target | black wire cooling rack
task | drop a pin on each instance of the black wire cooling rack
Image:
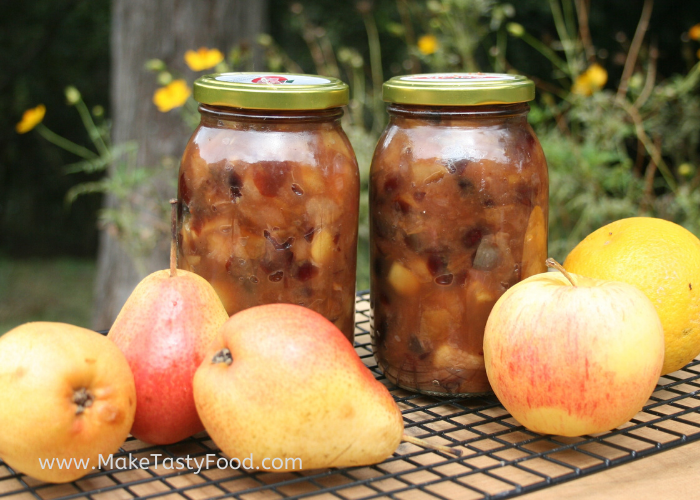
(501, 458)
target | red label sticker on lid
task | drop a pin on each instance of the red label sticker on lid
(262, 79)
(271, 79)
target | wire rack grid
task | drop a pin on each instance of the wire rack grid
(501, 459)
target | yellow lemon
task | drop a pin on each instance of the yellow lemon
(660, 258)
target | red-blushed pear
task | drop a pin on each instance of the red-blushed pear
(282, 382)
(164, 329)
(570, 355)
(67, 394)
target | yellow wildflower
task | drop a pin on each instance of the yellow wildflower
(590, 81)
(203, 58)
(172, 95)
(694, 32)
(428, 44)
(30, 119)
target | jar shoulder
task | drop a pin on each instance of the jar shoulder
(508, 145)
(315, 146)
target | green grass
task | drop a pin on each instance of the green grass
(61, 289)
(362, 266)
(45, 290)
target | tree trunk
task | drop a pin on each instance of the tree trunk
(144, 30)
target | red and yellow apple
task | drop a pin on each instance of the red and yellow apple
(573, 357)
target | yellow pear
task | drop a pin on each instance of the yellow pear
(67, 397)
(282, 389)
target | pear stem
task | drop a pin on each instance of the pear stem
(173, 238)
(424, 444)
(553, 263)
(222, 356)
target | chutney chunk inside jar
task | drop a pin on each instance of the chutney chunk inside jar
(458, 214)
(269, 195)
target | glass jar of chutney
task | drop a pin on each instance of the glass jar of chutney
(458, 214)
(268, 194)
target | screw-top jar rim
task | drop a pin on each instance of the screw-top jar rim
(458, 89)
(257, 90)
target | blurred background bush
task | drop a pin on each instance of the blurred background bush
(617, 112)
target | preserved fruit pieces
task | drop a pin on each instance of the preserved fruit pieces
(472, 238)
(457, 215)
(445, 279)
(276, 276)
(305, 271)
(434, 323)
(488, 254)
(322, 210)
(322, 247)
(535, 244)
(402, 280)
(297, 189)
(278, 245)
(270, 176)
(436, 264)
(447, 357)
(262, 228)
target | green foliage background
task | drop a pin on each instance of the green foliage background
(609, 157)
(45, 46)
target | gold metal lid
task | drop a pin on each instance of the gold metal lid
(271, 91)
(459, 89)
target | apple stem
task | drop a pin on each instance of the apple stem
(425, 444)
(173, 238)
(553, 263)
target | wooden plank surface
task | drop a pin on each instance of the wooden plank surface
(670, 475)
